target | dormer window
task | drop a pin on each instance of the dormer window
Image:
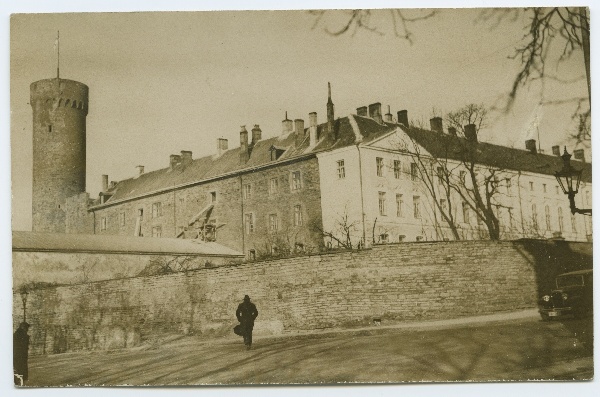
(276, 153)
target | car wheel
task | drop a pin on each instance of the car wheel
(545, 317)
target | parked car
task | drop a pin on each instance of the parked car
(573, 296)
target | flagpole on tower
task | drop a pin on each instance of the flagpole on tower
(57, 54)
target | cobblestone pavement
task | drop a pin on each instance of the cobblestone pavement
(514, 346)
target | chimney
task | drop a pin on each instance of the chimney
(530, 145)
(362, 111)
(244, 150)
(104, 183)
(312, 118)
(403, 117)
(436, 124)
(186, 157)
(452, 131)
(388, 115)
(139, 169)
(256, 134)
(222, 146)
(579, 155)
(286, 125)
(299, 130)
(174, 160)
(471, 132)
(330, 111)
(556, 150)
(375, 112)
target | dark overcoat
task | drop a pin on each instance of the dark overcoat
(246, 313)
(21, 352)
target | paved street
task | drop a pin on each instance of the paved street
(510, 347)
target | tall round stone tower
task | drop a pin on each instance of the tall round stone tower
(60, 108)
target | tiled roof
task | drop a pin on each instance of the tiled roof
(61, 242)
(438, 144)
(442, 145)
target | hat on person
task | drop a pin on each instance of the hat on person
(246, 298)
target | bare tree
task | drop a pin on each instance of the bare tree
(343, 230)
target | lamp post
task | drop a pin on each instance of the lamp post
(24, 294)
(569, 178)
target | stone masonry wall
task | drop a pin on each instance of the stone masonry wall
(396, 283)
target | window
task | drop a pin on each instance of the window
(252, 255)
(399, 205)
(534, 218)
(103, 223)
(273, 224)
(141, 214)
(297, 215)
(440, 175)
(156, 231)
(156, 210)
(573, 223)
(296, 180)
(401, 238)
(247, 191)
(419, 238)
(413, 171)
(249, 223)
(466, 214)
(341, 170)
(299, 247)
(213, 197)
(531, 186)
(384, 238)
(397, 169)
(444, 206)
(122, 219)
(560, 219)
(548, 220)
(181, 200)
(544, 187)
(417, 207)
(273, 186)
(49, 127)
(379, 163)
(508, 185)
(556, 188)
(382, 203)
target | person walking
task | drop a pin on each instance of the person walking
(21, 354)
(246, 313)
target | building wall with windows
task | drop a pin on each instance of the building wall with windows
(269, 210)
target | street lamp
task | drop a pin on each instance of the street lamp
(569, 178)
(24, 294)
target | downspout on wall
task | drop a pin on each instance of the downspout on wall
(362, 201)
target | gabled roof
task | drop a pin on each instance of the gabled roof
(436, 143)
(61, 242)
(442, 145)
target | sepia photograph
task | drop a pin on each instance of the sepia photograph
(313, 196)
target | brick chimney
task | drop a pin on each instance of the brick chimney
(299, 131)
(530, 145)
(375, 112)
(286, 125)
(556, 150)
(139, 169)
(244, 149)
(222, 146)
(312, 129)
(403, 117)
(174, 160)
(362, 111)
(186, 157)
(436, 124)
(471, 132)
(256, 134)
(104, 183)
(579, 154)
(388, 115)
(452, 131)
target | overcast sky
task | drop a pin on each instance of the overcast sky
(165, 82)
